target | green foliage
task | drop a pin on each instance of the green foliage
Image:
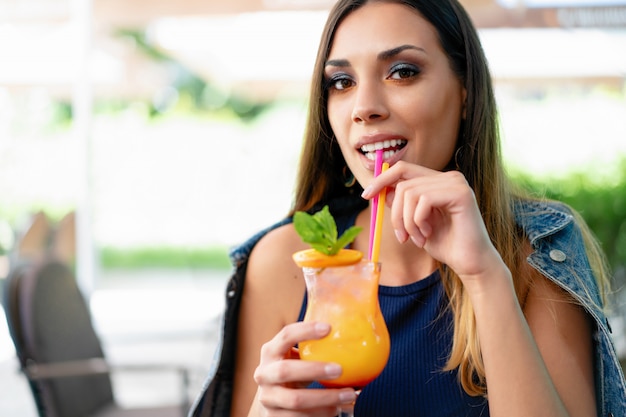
(165, 257)
(602, 204)
(189, 87)
(320, 231)
(62, 114)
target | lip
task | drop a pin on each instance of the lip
(378, 138)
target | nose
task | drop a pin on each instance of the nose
(369, 104)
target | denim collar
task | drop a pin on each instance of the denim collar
(540, 219)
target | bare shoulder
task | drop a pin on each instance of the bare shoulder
(545, 295)
(274, 252)
(549, 307)
(272, 273)
(272, 297)
(563, 332)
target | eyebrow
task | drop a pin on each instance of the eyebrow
(384, 55)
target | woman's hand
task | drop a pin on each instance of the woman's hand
(438, 212)
(282, 377)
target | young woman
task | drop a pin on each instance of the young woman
(494, 301)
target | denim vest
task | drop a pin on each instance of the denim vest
(558, 250)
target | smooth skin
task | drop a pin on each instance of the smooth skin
(394, 81)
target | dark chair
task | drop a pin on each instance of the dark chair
(59, 350)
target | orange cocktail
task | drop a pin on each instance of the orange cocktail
(346, 297)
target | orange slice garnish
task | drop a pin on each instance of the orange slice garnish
(313, 259)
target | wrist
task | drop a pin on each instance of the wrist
(494, 281)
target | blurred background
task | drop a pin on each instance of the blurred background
(165, 132)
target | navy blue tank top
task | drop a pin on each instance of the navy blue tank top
(413, 383)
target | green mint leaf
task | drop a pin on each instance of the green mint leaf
(316, 230)
(327, 224)
(306, 226)
(321, 247)
(320, 231)
(347, 237)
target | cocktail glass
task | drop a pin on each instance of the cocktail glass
(346, 297)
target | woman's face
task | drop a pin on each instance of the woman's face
(390, 85)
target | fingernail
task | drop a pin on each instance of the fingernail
(322, 328)
(333, 370)
(400, 236)
(418, 243)
(347, 397)
(366, 192)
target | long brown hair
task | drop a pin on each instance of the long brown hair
(320, 178)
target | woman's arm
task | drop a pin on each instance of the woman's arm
(539, 363)
(272, 297)
(563, 332)
(269, 377)
(535, 365)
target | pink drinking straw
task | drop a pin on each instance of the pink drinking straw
(378, 230)
(378, 167)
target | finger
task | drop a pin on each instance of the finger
(385, 179)
(289, 336)
(412, 201)
(397, 214)
(421, 219)
(324, 412)
(289, 371)
(413, 207)
(398, 172)
(320, 400)
(400, 233)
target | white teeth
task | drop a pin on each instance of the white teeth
(386, 155)
(372, 147)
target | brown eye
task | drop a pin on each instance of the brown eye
(403, 71)
(343, 84)
(339, 82)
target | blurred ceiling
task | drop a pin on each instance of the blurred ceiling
(41, 41)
